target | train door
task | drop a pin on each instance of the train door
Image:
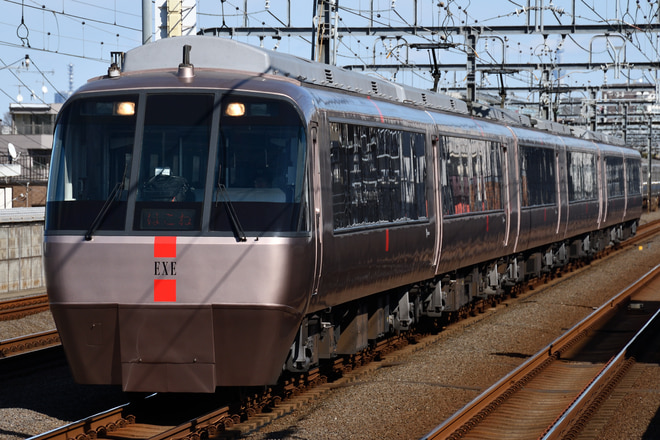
(511, 202)
(602, 188)
(437, 182)
(317, 220)
(514, 202)
(562, 190)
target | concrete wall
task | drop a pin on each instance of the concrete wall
(21, 238)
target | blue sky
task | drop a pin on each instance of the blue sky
(60, 33)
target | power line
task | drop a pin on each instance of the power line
(74, 16)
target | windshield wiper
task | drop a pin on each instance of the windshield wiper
(119, 186)
(233, 218)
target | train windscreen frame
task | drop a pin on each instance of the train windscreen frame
(142, 163)
(174, 157)
(92, 156)
(260, 168)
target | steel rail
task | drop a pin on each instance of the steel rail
(573, 418)
(24, 344)
(97, 424)
(645, 231)
(21, 307)
(474, 412)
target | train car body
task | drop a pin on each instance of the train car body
(651, 197)
(217, 217)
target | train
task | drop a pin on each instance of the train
(652, 197)
(219, 215)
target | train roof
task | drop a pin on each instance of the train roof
(222, 53)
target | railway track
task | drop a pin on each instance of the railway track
(645, 231)
(21, 307)
(18, 308)
(121, 423)
(28, 343)
(234, 419)
(553, 394)
(224, 417)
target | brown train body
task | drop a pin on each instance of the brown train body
(213, 223)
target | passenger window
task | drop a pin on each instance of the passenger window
(633, 167)
(378, 175)
(471, 175)
(615, 181)
(581, 176)
(538, 176)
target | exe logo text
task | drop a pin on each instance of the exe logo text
(164, 268)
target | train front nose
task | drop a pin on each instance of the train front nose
(219, 323)
(168, 349)
(195, 349)
(177, 232)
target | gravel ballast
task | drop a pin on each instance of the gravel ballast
(409, 399)
(406, 398)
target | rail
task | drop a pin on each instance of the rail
(575, 416)
(109, 420)
(21, 307)
(488, 417)
(247, 417)
(24, 344)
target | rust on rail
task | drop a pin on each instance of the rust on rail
(24, 344)
(597, 379)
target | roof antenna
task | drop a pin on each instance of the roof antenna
(186, 70)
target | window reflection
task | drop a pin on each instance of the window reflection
(615, 180)
(378, 174)
(581, 176)
(92, 154)
(633, 167)
(538, 176)
(261, 166)
(175, 148)
(471, 175)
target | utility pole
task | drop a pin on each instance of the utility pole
(322, 41)
(471, 92)
(545, 94)
(147, 22)
(593, 122)
(625, 124)
(648, 186)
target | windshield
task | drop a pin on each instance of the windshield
(156, 162)
(260, 164)
(173, 162)
(93, 147)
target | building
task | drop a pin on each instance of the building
(25, 149)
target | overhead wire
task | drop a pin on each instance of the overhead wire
(31, 30)
(452, 14)
(8, 67)
(88, 22)
(45, 77)
(75, 16)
